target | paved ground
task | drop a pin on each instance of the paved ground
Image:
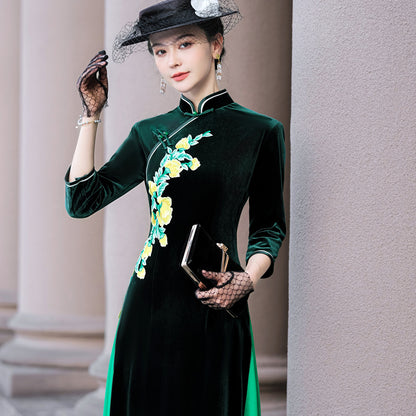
(37, 405)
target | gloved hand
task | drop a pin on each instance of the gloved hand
(93, 88)
(230, 288)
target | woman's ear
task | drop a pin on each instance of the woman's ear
(217, 45)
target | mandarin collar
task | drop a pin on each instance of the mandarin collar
(210, 102)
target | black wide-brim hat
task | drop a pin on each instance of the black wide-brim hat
(170, 14)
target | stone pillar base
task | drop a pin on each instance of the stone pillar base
(273, 404)
(99, 367)
(7, 409)
(48, 352)
(17, 380)
(272, 373)
(5, 334)
(90, 405)
(7, 311)
(50, 355)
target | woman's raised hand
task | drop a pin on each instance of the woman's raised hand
(230, 288)
(93, 85)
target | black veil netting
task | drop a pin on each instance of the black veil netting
(170, 14)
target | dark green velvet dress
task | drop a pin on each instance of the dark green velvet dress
(172, 355)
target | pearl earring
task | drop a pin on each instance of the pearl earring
(163, 85)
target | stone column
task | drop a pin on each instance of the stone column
(60, 320)
(9, 139)
(353, 236)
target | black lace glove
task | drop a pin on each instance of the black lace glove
(93, 85)
(230, 288)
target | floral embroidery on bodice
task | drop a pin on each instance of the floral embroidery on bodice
(173, 163)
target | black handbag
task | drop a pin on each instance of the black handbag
(203, 253)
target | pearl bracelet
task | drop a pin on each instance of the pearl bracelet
(81, 123)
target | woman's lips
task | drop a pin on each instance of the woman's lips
(180, 76)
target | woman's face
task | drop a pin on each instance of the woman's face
(186, 59)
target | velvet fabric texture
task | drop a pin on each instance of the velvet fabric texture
(173, 355)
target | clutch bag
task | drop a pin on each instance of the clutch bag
(203, 253)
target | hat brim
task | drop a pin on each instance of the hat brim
(145, 36)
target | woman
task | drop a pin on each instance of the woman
(177, 351)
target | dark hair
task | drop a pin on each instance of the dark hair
(211, 28)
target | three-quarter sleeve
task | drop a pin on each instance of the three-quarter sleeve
(266, 208)
(91, 192)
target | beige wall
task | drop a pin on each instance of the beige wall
(353, 208)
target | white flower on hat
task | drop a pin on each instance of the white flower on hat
(206, 8)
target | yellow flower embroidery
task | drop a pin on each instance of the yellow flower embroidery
(164, 214)
(183, 144)
(147, 252)
(152, 187)
(174, 167)
(195, 164)
(141, 273)
(173, 163)
(164, 241)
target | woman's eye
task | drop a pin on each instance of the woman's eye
(185, 45)
(159, 52)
